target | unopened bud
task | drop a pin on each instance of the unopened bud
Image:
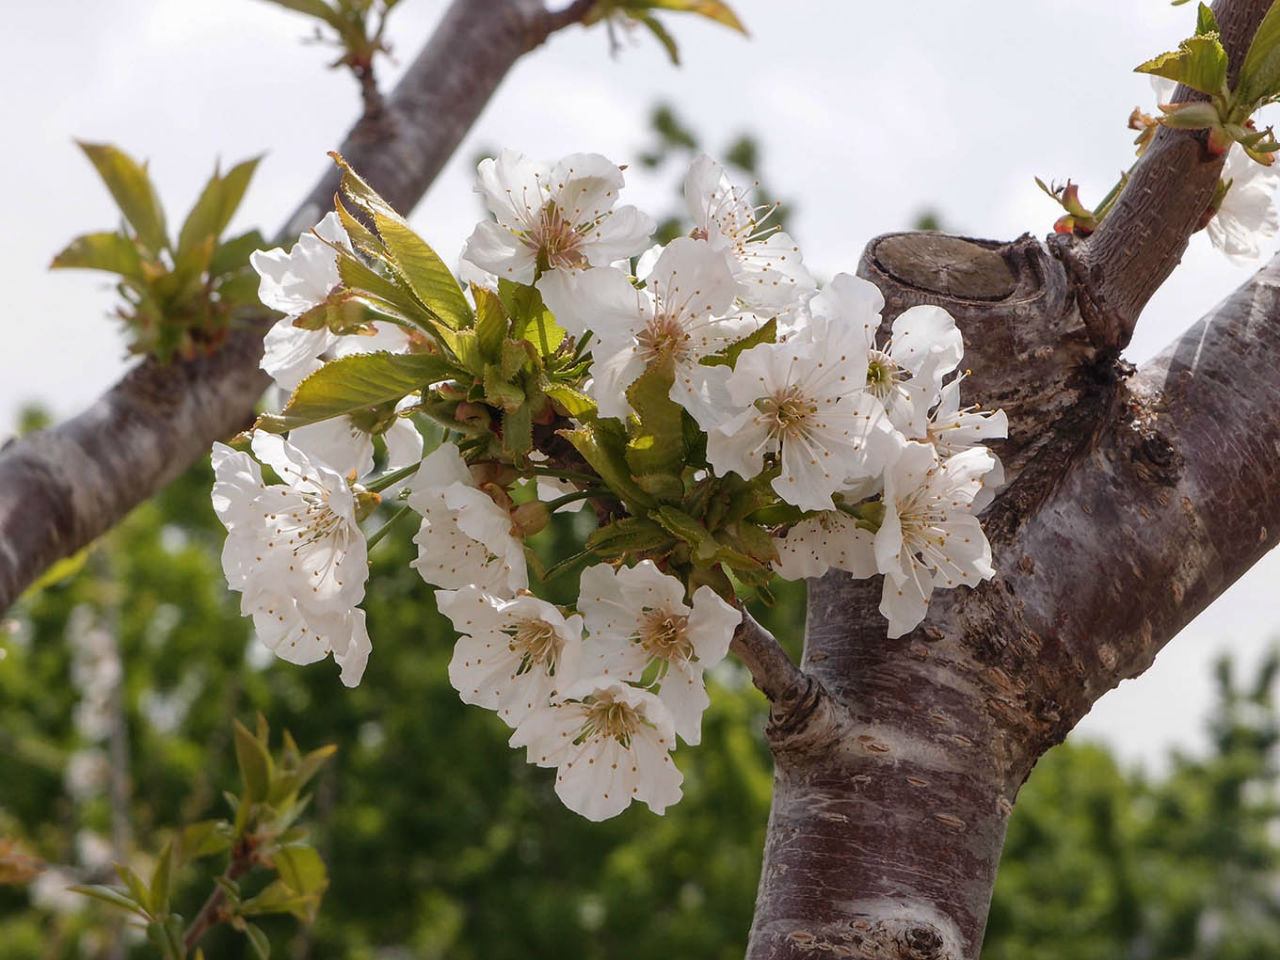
(475, 414)
(1190, 116)
(530, 517)
(366, 501)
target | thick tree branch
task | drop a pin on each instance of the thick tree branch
(1141, 240)
(61, 488)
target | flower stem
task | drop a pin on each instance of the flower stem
(559, 474)
(387, 479)
(556, 504)
(381, 532)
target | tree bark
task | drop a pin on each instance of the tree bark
(61, 488)
(1134, 500)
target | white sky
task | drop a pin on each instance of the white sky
(867, 113)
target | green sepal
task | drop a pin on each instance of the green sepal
(112, 252)
(1199, 62)
(628, 536)
(664, 487)
(682, 526)
(767, 332)
(343, 312)
(132, 190)
(352, 383)
(498, 392)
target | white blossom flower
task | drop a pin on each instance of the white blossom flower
(808, 403)
(294, 283)
(465, 538)
(639, 623)
(610, 744)
(929, 537)
(906, 372)
(553, 217)
(514, 655)
(344, 446)
(1248, 212)
(684, 313)
(767, 263)
(296, 553)
(828, 539)
(953, 428)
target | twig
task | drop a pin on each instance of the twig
(242, 860)
(576, 12)
(772, 671)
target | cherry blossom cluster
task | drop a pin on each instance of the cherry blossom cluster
(725, 420)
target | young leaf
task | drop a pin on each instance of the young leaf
(355, 382)
(1260, 72)
(715, 10)
(604, 447)
(132, 191)
(301, 869)
(255, 764)
(431, 280)
(628, 536)
(233, 254)
(203, 839)
(159, 901)
(313, 8)
(491, 322)
(662, 35)
(217, 204)
(1199, 62)
(137, 889)
(277, 897)
(257, 939)
(656, 434)
(768, 331)
(517, 430)
(1206, 22)
(111, 252)
(109, 895)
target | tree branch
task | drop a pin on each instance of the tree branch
(61, 488)
(1141, 240)
(772, 671)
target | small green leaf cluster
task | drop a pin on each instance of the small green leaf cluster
(359, 26)
(182, 296)
(262, 833)
(642, 12)
(1201, 63)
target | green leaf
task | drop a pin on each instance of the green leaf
(355, 382)
(301, 869)
(1206, 22)
(662, 35)
(217, 204)
(233, 254)
(1260, 71)
(159, 901)
(278, 897)
(517, 430)
(344, 312)
(715, 10)
(254, 762)
(137, 889)
(656, 430)
(308, 766)
(257, 939)
(313, 8)
(110, 895)
(574, 402)
(111, 252)
(203, 839)
(604, 447)
(132, 191)
(1199, 62)
(431, 281)
(491, 322)
(682, 526)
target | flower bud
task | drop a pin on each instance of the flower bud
(530, 517)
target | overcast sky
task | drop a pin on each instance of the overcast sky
(867, 114)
